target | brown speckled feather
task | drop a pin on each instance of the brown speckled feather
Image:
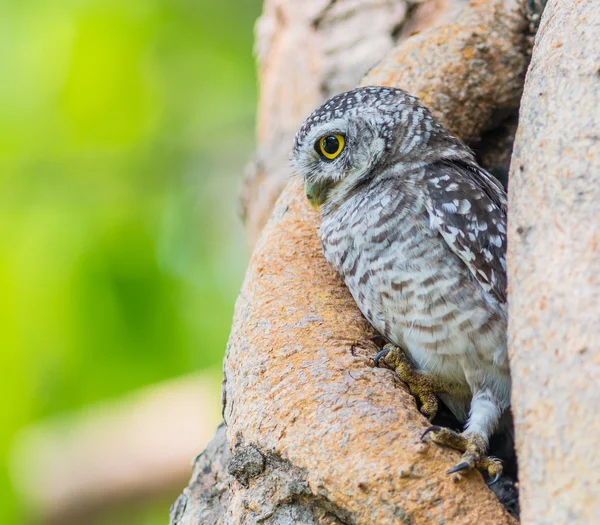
(468, 207)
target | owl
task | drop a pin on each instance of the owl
(417, 230)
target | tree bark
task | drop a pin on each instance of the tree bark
(318, 435)
(206, 498)
(554, 270)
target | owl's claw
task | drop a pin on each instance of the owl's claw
(382, 353)
(490, 482)
(458, 468)
(432, 428)
(473, 447)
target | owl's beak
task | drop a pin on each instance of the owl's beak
(315, 193)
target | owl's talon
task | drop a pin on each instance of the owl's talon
(493, 467)
(459, 467)
(473, 447)
(382, 353)
(432, 428)
(489, 483)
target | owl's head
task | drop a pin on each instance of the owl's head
(355, 136)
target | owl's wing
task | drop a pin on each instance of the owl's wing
(468, 207)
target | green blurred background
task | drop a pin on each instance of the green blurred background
(124, 128)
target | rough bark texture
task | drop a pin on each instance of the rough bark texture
(554, 270)
(206, 498)
(308, 51)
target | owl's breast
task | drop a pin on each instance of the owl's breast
(409, 284)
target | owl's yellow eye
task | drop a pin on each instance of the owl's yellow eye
(330, 146)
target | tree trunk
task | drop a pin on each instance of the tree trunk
(317, 435)
(554, 270)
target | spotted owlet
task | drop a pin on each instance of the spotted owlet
(418, 232)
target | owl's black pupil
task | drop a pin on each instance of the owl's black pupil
(331, 144)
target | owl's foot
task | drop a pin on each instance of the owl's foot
(473, 447)
(422, 386)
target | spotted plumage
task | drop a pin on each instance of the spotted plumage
(418, 232)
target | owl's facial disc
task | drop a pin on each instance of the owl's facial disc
(334, 150)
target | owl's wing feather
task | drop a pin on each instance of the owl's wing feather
(468, 208)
